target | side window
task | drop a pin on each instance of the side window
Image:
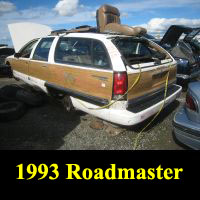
(26, 51)
(74, 50)
(100, 56)
(42, 50)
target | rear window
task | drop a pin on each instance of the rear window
(137, 51)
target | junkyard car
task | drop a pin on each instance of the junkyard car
(95, 69)
(187, 120)
(187, 56)
(5, 51)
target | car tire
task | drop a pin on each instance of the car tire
(67, 102)
(30, 98)
(5, 71)
(12, 110)
(8, 92)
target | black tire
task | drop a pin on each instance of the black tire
(5, 70)
(30, 98)
(67, 102)
(12, 110)
(1, 100)
(8, 92)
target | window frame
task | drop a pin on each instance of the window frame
(39, 42)
(106, 52)
(150, 42)
(26, 45)
(90, 66)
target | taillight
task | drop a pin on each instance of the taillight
(120, 83)
(190, 103)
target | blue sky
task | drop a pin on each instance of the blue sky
(155, 15)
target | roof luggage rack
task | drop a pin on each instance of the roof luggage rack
(57, 32)
(83, 29)
(79, 29)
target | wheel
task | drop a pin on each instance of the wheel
(12, 110)
(71, 111)
(67, 102)
(9, 92)
(30, 98)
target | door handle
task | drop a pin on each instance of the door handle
(44, 66)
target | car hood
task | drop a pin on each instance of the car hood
(173, 34)
(21, 33)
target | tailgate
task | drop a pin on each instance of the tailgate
(151, 80)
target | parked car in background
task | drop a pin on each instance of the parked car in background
(186, 122)
(184, 51)
(5, 51)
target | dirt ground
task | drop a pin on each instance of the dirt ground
(49, 127)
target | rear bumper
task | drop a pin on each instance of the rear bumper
(186, 131)
(122, 116)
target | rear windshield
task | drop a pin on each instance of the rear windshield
(137, 51)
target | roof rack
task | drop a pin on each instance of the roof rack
(57, 32)
(79, 29)
(83, 29)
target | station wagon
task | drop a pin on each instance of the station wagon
(93, 69)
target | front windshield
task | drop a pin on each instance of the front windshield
(137, 51)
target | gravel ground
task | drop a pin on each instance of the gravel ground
(49, 127)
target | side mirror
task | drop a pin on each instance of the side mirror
(17, 55)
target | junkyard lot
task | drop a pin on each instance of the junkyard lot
(49, 127)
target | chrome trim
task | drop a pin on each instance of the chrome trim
(186, 77)
(183, 76)
(185, 129)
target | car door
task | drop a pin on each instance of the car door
(21, 63)
(82, 68)
(39, 67)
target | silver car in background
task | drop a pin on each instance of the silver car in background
(186, 122)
